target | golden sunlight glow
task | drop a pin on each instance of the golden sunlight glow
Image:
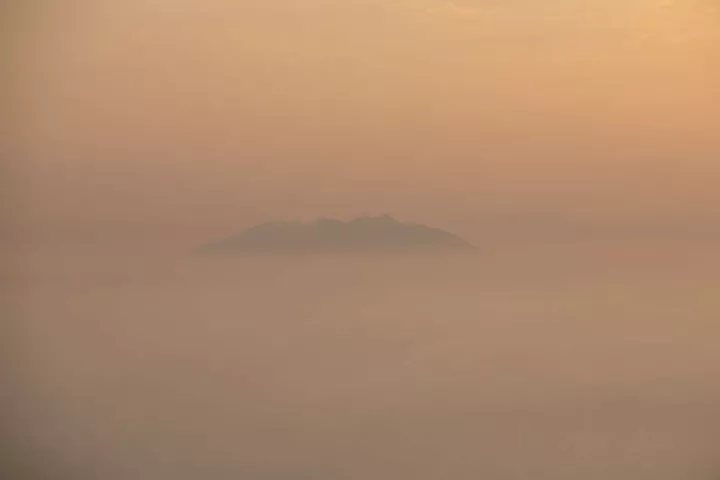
(516, 103)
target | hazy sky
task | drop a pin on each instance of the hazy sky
(182, 119)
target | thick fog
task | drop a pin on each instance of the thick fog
(584, 362)
(573, 142)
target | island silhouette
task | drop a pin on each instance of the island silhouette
(363, 234)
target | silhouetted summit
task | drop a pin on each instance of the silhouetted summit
(364, 234)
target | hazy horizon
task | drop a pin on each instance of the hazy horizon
(573, 142)
(186, 120)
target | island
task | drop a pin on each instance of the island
(363, 234)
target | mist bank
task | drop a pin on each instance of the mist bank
(559, 364)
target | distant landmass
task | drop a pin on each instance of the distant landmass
(364, 234)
